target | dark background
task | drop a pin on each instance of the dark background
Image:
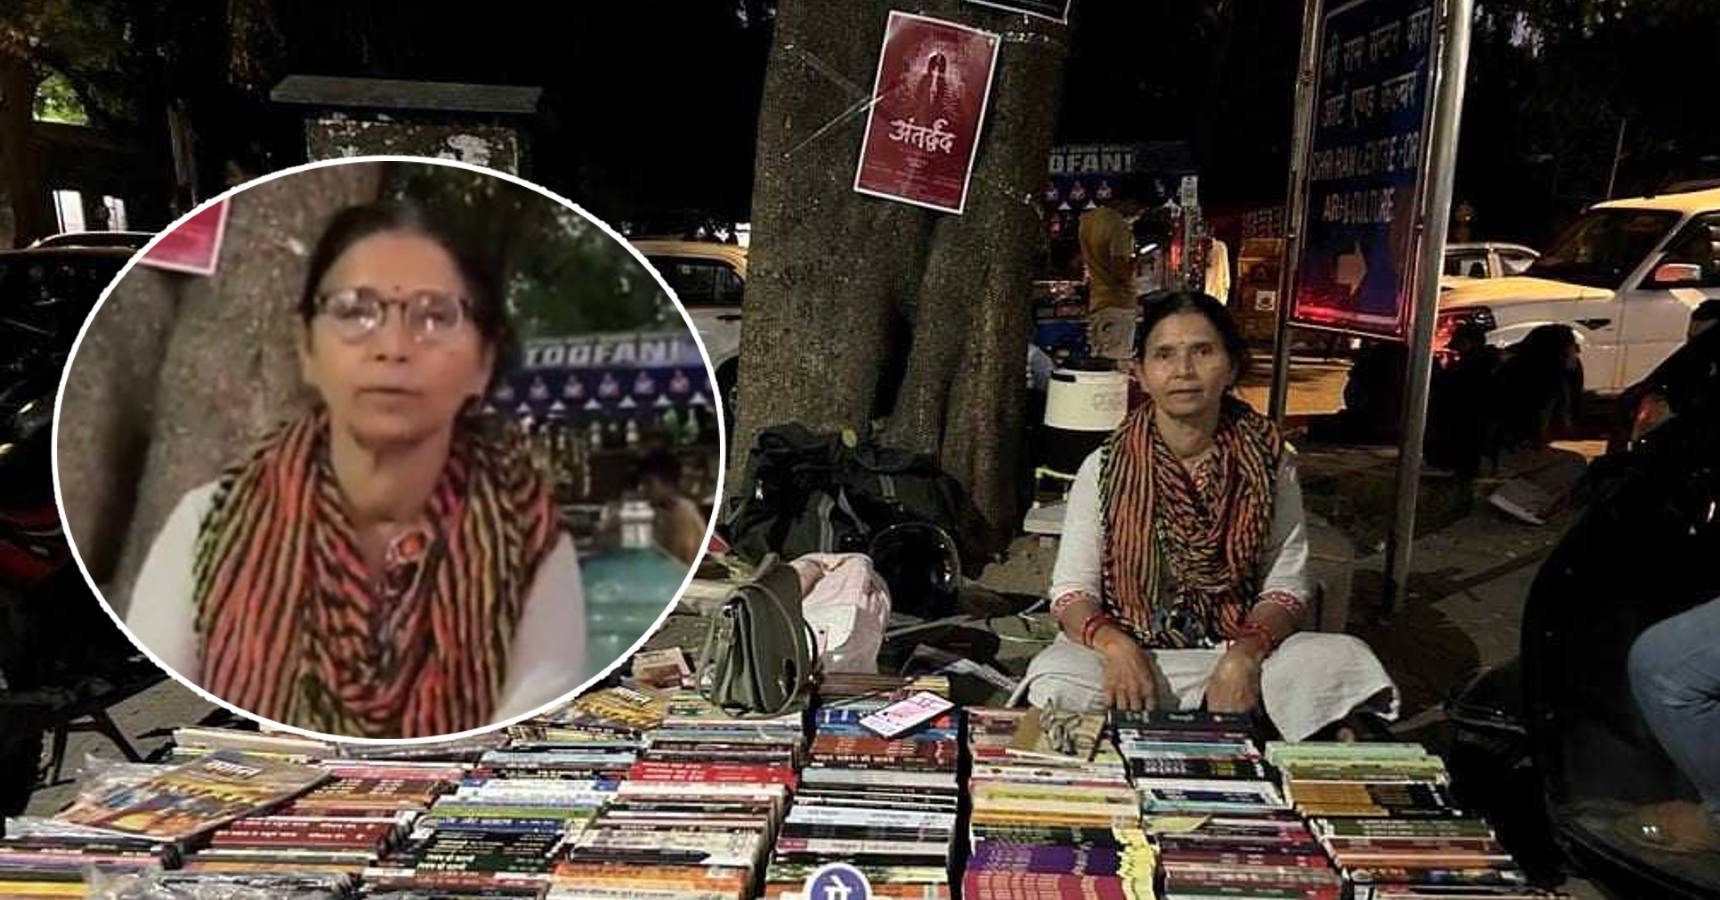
(650, 108)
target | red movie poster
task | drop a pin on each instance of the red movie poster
(928, 102)
(194, 246)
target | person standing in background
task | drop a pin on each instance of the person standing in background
(1108, 255)
(680, 526)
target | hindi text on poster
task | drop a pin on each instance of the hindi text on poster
(1356, 266)
(928, 102)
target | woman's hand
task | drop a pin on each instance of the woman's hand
(1130, 680)
(1235, 683)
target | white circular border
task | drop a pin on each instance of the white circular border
(711, 381)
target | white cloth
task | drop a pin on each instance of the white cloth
(1081, 552)
(547, 659)
(1111, 333)
(1312, 680)
(1218, 271)
(848, 606)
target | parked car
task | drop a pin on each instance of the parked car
(134, 240)
(709, 278)
(1487, 260)
(1625, 276)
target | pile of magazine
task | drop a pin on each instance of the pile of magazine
(1053, 811)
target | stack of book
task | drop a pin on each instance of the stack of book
(184, 801)
(1053, 811)
(1384, 780)
(886, 805)
(1385, 814)
(1251, 855)
(497, 836)
(1221, 825)
(136, 820)
(44, 858)
(613, 713)
(696, 812)
(1428, 857)
(286, 885)
(608, 763)
(1194, 762)
(344, 825)
(193, 742)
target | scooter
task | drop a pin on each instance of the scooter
(62, 659)
(1555, 741)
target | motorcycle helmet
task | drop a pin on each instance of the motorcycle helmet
(920, 564)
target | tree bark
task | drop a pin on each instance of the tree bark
(23, 199)
(831, 271)
(106, 411)
(229, 371)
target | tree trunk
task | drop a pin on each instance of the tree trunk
(847, 293)
(229, 371)
(23, 199)
(106, 412)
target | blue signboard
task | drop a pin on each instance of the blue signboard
(596, 374)
(1372, 93)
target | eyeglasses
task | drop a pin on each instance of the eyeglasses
(356, 313)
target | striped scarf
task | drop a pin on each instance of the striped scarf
(295, 629)
(1182, 553)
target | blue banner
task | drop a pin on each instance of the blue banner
(1372, 94)
(605, 373)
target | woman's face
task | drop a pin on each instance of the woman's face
(1184, 367)
(390, 386)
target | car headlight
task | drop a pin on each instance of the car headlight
(32, 417)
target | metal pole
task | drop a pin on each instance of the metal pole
(1618, 153)
(1295, 205)
(1441, 173)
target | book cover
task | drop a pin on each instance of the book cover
(195, 796)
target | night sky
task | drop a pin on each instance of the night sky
(653, 114)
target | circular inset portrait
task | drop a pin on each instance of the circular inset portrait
(387, 448)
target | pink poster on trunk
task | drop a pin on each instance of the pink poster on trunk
(928, 103)
(195, 246)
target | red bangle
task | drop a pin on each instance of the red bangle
(1255, 628)
(1090, 628)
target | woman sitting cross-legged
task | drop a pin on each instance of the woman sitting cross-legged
(1181, 576)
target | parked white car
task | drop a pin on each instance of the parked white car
(710, 279)
(1624, 276)
(1488, 259)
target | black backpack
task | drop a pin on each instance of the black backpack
(804, 492)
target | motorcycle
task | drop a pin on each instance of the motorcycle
(62, 658)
